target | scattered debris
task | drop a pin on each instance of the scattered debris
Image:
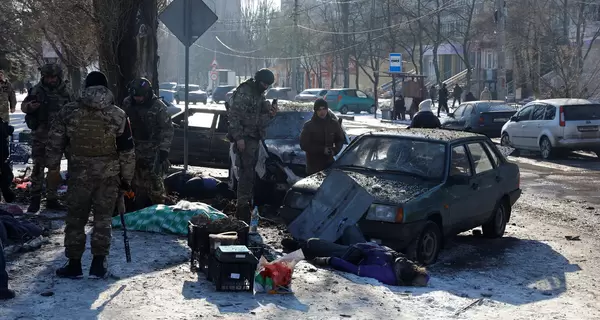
(573, 238)
(471, 305)
(47, 294)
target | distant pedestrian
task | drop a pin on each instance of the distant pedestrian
(8, 99)
(470, 97)
(456, 93)
(443, 100)
(485, 95)
(399, 109)
(433, 95)
(425, 117)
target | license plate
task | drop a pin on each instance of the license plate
(500, 120)
(587, 128)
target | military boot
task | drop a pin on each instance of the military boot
(99, 268)
(34, 206)
(243, 213)
(71, 270)
(54, 204)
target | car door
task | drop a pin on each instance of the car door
(352, 101)
(516, 133)
(464, 121)
(459, 196)
(531, 130)
(219, 147)
(363, 101)
(483, 183)
(199, 139)
(451, 122)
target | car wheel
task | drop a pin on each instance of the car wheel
(546, 148)
(505, 140)
(372, 110)
(426, 248)
(344, 110)
(495, 228)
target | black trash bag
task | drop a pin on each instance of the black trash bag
(175, 183)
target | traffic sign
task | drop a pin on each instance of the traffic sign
(201, 18)
(214, 64)
(213, 76)
(395, 63)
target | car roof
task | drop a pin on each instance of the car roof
(439, 135)
(281, 88)
(562, 102)
(314, 89)
(485, 101)
(226, 87)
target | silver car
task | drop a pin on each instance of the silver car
(553, 126)
(310, 95)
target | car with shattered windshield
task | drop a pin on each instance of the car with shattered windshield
(428, 184)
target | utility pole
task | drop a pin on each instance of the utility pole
(345, 6)
(500, 35)
(296, 60)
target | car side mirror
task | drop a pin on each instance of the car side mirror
(514, 119)
(459, 180)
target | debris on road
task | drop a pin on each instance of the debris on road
(573, 238)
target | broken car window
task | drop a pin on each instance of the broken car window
(481, 161)
(397, 154)
(201, 120)
(459, 165)
(287, 125)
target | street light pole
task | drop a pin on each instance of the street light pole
(501, 37)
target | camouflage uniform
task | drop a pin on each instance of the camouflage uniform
(249, 116)
(152, 133)
(51, 100)
(98, 165)
(8, 100)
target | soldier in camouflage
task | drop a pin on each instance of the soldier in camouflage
(249, 115)
(101, 162)
(152, 133)
(41, 107)
(8, 98)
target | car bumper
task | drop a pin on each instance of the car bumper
(578, 144)
(490, 131)
(394, 235)
(514, 196)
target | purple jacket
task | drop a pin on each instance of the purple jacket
(377, 263)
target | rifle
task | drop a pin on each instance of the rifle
(121, 209)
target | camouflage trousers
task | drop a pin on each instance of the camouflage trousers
(246, 163)
(85, 195)
(149, 187)
(38, 155)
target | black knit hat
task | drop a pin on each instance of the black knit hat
(96, 78)
(320, 103)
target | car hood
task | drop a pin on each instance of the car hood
(387, 189)
(288, 150)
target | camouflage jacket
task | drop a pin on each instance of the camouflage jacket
(53, 100)
(7, 97)
(151, 125)
(249, 112)
(91, 127)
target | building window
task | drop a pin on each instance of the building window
(489, 59)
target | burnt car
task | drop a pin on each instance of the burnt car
(427, 184)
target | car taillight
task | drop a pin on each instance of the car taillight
(561, 116)
(339, 98)
(481, 120)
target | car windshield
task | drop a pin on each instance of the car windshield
(425, 159)
(167, 86)
(287, 125)
(313, 92)
(223, 89)
(277, 94)
(493, 106)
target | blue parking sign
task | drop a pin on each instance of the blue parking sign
(395, 62)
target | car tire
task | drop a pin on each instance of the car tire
(372, 110)
(546, 148)
(496, 227)
(426, 248)
(344, 110)
(505, 140)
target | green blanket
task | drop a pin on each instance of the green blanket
(167, 219)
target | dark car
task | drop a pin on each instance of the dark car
(195, 94)
(485, 117)
(427, 184)
(219, 95)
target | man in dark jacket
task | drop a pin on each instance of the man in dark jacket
(321, 138)
(443, 100)
(456, 93)
(399, 109)
(425, 117)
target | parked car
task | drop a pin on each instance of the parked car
(172, 86)
(167, 95)
(208, 136)
(279, 93)
(229, 94)
(485, 117)
(310, 95)
(219, 95)
(350, 100)
(171, 108)
(427, 184)
(554, 126)
(195, 94)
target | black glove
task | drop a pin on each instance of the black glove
(163, 155)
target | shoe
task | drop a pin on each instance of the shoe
(34, 206)
(54, 204)
(290, 244)
(71, 270)
(9, 195)
(321, 261)
(6, 294)
(99, 268)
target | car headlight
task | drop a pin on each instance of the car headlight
(297, 200)
(385, 213)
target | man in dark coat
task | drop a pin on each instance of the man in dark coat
(399, 109)
(321, 138)
(456, 93)
(443, 100)
(425, 117)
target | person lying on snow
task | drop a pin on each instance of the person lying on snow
(368, 260)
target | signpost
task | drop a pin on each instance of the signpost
(395, 67)
(213, 76)
(197, 19)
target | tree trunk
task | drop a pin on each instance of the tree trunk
(147, 42)
(75, 75)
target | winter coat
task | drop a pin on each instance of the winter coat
(425, 117)
(457, 92)
(443, 94)
(399, 105)
(318, 134)
(377, 262)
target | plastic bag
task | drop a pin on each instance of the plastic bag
(276, 277)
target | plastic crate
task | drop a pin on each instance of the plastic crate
(199, 241)
(232, 276)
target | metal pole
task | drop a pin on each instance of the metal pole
(501, 79)
(188, 38)
(393, 97)
(296, 66)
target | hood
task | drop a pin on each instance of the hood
(386, 189)
(98, 97)
(288, 150)
(425, 105)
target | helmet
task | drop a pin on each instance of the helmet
(52, 70)
(140, 87)
(265, 76)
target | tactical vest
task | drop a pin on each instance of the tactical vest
(141, 126)
(91, 137)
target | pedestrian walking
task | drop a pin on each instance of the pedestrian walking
(101, 161)
(152, 131)
(41, 107)
(433, 92)
(321, 138)
(443, 100)
(425, 117)
(456, 94)
(399, 108)
(8, 98)
(485, 95)
(249, 115)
